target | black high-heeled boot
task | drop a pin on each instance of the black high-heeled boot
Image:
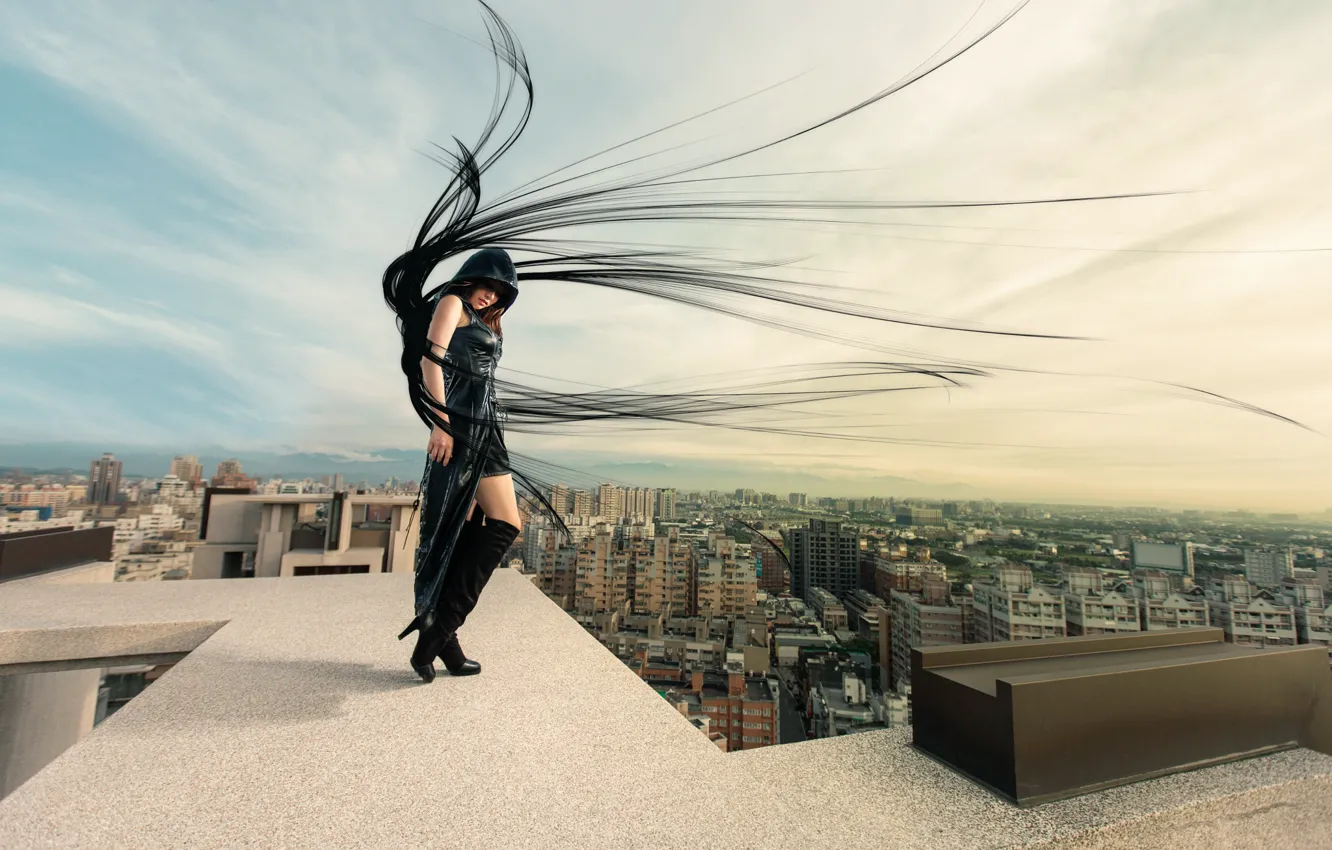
(423, 656)
(455, 661)
(430, 634)
(463, 589)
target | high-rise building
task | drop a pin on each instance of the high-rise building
(797, 499)
(826, 555)
(231, 466)
(187, 468)
(665, 507)
(104, 480)
(727, 579)
(610, 501)
(638, 503)
(229, 474)
(582, 503)
(556, 566)
(773, 577)
(1268, 567)
(602, 582)
(665, 577)
(560, 499)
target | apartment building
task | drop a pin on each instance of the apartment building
(104, 480)
(1160, 606)
(1012, 607)
(824, 554)
(862, 612)
(926, 618)
(827, 608)
(555, 568)
(665, 504)
(602, 582)
(583, 503)
(1091, 608)
(907, 576)
(742, 708)
(55, 497)
(727, 577)
(1313, 612)
(773, 575)
(665, 577)
(1268, 566)
(1250, 616)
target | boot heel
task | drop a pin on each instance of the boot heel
(418, 624)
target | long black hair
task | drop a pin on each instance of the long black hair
(524, 219)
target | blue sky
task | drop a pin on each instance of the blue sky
(197, 200)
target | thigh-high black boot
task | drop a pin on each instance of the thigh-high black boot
(430, 637)
(462, 590)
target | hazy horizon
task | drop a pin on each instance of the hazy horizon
(198, 205)
(374, 467)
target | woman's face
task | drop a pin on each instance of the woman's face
(483, 296)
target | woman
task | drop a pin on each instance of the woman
(460, 546)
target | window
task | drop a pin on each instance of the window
(331, 570)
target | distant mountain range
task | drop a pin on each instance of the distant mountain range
(376, 466)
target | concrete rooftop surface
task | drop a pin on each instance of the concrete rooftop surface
(297, 722)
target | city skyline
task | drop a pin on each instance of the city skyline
(223, 286)
(148, 469)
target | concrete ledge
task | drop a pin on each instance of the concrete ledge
(91, 663)
(300, 724)
(40, 650)
(90, 573)
(1301, 811)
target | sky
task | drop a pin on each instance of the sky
(197, 203)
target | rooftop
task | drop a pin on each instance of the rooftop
(295, 721)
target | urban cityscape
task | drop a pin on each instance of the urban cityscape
(764, 618)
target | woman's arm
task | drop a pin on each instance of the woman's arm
(447, 315)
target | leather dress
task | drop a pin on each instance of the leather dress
(478, 451)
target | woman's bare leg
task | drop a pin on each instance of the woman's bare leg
(497, 499)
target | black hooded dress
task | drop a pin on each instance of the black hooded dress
(447, 491)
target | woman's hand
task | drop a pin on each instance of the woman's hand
(440, 446)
